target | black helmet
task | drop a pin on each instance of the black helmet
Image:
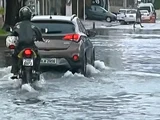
(25, 13)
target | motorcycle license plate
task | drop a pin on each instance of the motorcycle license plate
(27, 62)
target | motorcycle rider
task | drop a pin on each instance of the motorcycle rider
(27, 33)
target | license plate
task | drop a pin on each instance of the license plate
(48, 60)
(131, 16)
(27, 62)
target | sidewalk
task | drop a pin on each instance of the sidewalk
(1, 21)
(98, 24)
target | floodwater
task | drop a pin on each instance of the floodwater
(123, 85)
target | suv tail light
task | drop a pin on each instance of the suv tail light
(75, 57)
(27, 52)
(74, 37)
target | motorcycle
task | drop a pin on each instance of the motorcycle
(26, 62)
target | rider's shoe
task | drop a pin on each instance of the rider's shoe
(14, 76)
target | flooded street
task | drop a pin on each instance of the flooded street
(123, 85)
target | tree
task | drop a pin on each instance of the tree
(12, 10)
(157, 4)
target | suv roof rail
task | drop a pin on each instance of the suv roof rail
(73, 16)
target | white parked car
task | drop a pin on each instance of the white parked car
(151, 10)
(145, 16)
(126, 16)
(120, 15)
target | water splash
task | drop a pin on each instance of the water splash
(100, 65)
(70, 74)
(41, 83)
(17, 83)
(92, 70)
(5, 73)
(28, 88)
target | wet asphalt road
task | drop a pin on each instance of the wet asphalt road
(124, 85)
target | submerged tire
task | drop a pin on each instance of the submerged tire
(84, 66)
(26, 78)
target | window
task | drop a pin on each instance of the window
(81, 27)
(55, 27)
(122, 11)
(99, 9)
(145, 8)
(131, 11)
(93, 8)
(153, 9)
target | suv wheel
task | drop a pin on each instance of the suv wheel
(86, 16)
(93, 58)
(83, 68)
(108, 19)
(123, 22)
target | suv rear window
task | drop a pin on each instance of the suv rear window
(55, 27)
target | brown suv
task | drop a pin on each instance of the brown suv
(68, 42)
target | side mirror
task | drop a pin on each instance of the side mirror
(91, 33)
(10, 29)
(44, 30)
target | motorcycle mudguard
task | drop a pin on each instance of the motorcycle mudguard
(20, 55)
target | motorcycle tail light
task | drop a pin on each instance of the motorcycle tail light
(11, 47)
(27, 52)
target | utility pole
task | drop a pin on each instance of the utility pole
(125, 3)
(84, 9)
(77, 7)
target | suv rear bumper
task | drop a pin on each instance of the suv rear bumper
(61, 60)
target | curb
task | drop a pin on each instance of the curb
(99, 25)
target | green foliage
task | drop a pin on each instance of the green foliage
(3, 32)
(1, 10)
(157, 4)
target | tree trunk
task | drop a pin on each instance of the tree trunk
(11, 13)
(12, 10)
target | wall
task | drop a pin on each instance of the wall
(115, 5)
(158, 14)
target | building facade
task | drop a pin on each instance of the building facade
(44, 7)
(69, 7)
